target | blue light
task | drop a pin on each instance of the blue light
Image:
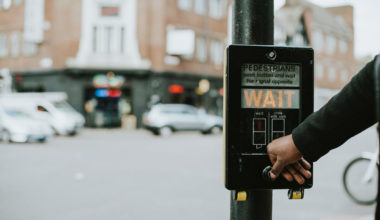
(101, 93)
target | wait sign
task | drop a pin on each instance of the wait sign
(270, 98)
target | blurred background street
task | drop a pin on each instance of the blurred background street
(93, 92)
(114, 174)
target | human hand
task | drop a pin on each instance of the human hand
(287, 160)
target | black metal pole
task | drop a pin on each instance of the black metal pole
(253, 22)
(258, 206)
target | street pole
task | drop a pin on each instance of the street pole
(252, 24)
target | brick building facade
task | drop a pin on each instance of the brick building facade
(81, 47)
(330, 31)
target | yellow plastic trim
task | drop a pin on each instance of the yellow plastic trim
(297, 195)
(241, 196)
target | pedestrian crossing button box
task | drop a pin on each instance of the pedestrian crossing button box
(268, 92)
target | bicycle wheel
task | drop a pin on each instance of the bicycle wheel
(361, 191)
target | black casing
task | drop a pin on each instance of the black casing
(244, 163)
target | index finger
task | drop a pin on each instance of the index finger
(277, 168)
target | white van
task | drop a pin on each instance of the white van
(19, 126)
(50, 107)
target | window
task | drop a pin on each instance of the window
(217, 8)
(189, 111)
(30, 48)
(298, 40)
(34, 21)
(279, 35)
(343, 46)
(200, 6)
(15, 50)
(216, 52)
(17, 2)
(344, 75)
(184, 4)
(108, 39)
(109, 11)
(3, 45)
(94, 39)
(331, 44)
(5, 4)
(108, 33)
(202, 49)
(180, 42)
(332, 73)
(318, 40)
(122, 36)
(319, 71)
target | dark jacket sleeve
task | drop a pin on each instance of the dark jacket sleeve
(349, 112)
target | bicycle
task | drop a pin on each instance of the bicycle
(360, 178)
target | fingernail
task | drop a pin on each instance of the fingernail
(308, 175)
(301, 181)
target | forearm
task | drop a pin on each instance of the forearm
(345, 115)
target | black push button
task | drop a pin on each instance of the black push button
(266, 174)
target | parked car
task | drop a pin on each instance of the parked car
(67, 114)
(50, 107)
(163, 119)
(18, 126)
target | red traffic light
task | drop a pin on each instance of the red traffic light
(175, 89)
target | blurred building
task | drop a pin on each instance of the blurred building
(330, 31)
(5, 81)
(114, 57)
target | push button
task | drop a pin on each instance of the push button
(266, 174)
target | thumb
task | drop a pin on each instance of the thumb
(277, 168)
